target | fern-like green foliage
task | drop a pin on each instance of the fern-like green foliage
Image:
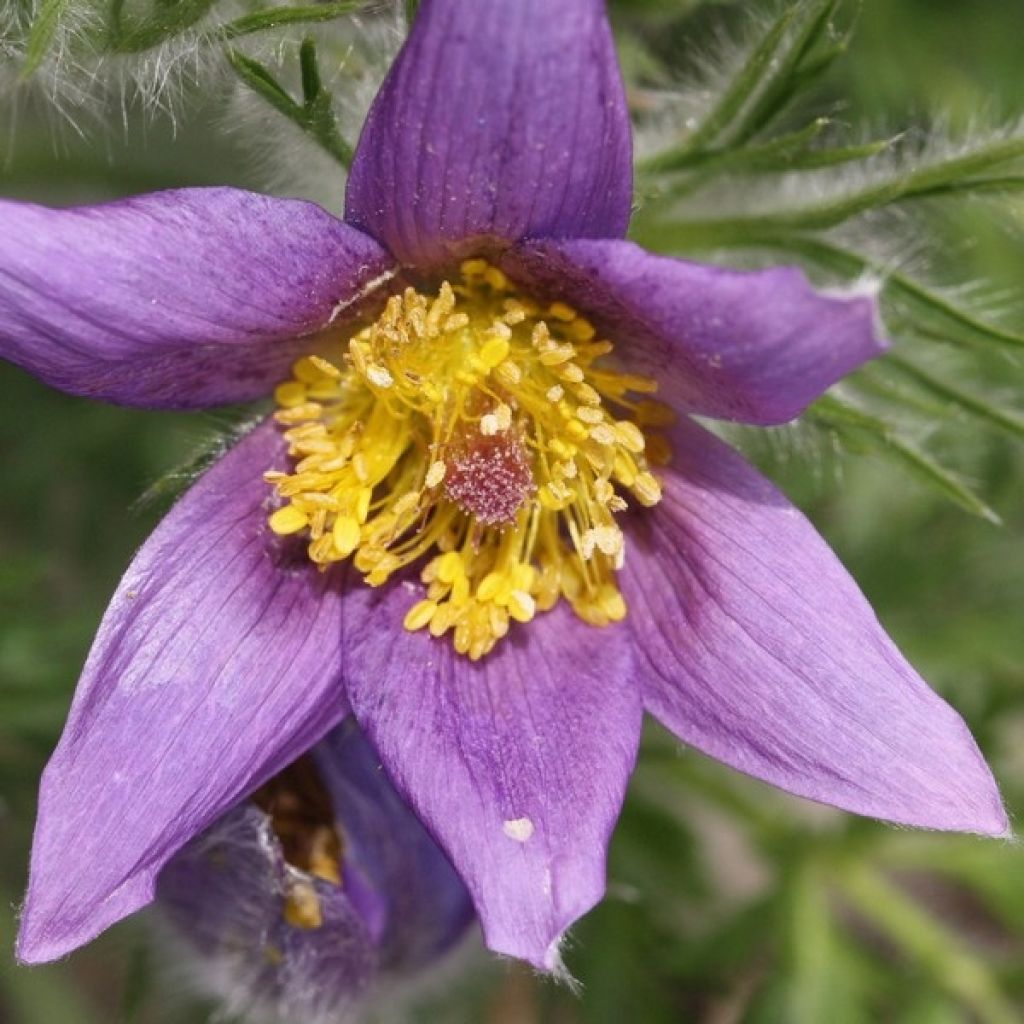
(752, 180)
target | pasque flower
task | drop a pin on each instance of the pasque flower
(468, 524)
(306, 900)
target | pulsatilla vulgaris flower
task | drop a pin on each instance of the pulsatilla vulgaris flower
(469, 522)
(300, 902)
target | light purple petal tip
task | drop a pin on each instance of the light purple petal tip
(217, 662)
(517, 763)
(180, 299)
(762, 652)
(497, 119)
(754, 346)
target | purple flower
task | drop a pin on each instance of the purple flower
(475, 436)
(302, 901)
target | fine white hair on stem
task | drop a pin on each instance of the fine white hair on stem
(353, 55)
(925, 149)
(81, 80)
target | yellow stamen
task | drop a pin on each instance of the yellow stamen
(472, 432)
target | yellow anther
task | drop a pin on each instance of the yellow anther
(509, 374)
(449, 567)
(379, 376)
(435, 474)
(581, 329)
(563, 449)
(493, 352)
(456, 322)
(307, 371)
(557, 355)
(302, 907)
(560, 311)
(363, 499)
(603, 491)
(576, 430)
(612, 602)
(473, 268)
(630, 435)
(524, 577)
(346, 535)
(328, 369)
(521, 606)
(490, 586)
(460, 590)
(290, 394)
(647, 489)
(419, 615)
(588, 414)
(288, 519)
(442, 619)
(496, 279)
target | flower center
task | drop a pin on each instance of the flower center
(475, 427)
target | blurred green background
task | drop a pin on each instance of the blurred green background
(728, 902)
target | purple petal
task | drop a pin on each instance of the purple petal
(179, 299)
(762, 652)
(217, 663)
(500, 120)
(753, 346)
(517, 763)
(427, 908)
(225, 894)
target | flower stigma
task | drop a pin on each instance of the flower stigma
(475, 429)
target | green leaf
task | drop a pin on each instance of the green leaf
(759, 89)
(44, 28)
(954, 396)
(923, 938)
(871, 434)
(739, 92)
(787, 152)
(315, 115)
(144, 35)
(784, 79)
(898, 186)
(275, 17)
